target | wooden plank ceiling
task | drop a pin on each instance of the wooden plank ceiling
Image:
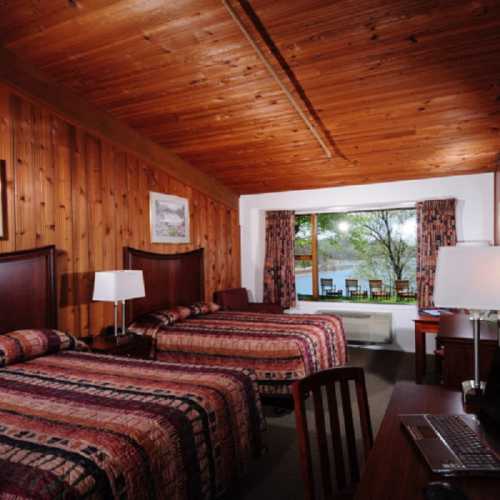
(401, 89)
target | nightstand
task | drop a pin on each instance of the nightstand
(129, 345)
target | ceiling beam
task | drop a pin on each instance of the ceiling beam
(291, 99)
(28, 81)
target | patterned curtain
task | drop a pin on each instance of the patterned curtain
(279, 266)
(436, 227)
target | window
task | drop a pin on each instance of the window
(360, 256)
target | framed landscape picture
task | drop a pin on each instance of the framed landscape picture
(169, 218)
(3, 201)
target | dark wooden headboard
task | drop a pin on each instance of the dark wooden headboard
(169, 279)
(28, 296)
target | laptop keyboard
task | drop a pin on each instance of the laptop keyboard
(464, 442)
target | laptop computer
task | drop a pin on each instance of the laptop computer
(460, 444)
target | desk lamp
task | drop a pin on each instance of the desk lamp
(468, 277)
(118, 286)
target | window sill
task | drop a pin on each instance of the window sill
(344, 301)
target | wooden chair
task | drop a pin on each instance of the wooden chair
(352, 289)
(378, 290)
(330, 381)
(403, 290)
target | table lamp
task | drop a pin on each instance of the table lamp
(468, 277)
(118, 286)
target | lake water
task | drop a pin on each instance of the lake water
(303, 281)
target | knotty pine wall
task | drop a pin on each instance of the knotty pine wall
(70, 188)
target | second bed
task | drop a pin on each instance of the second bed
(280, 348)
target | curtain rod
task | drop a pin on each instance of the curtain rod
(277, 79)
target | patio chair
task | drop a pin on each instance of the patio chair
(378, 290)
(352, 289)
(404, 291)
(327, 286)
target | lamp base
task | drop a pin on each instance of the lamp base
(472, 396)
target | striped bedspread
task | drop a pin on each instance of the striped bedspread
(79, 425)
(280, 348)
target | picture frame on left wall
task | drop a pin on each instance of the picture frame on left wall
(3, 200)
(169, 218)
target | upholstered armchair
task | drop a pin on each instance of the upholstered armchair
(236, 299)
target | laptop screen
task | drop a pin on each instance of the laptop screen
(491, 401)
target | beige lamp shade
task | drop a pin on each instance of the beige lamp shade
(468, 277)
(112, 286)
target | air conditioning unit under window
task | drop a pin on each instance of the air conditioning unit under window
(364, 327)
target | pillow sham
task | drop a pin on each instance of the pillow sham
(22, 345)
(149, 323)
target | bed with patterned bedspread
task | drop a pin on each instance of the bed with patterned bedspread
(280, 348)
(79, 425)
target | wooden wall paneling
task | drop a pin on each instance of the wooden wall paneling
(221, 247)
(204, 242)
(96, 233)
(62, 158)
(109, 230)
(133, 202)
(152, 184)
(211, 280)
(121, 215)
(6, 150)
(80, 216)
(43, 170)
(143, 206)
(193, 224)
(236, 239)
(70, 188)
(229, 249)
(195, 219)
(25, 193)
(188, 194)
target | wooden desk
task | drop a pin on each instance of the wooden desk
(455, 336)
(424, 324)
(395, 470)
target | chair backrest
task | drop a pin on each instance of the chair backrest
(333, 383)
(351, 283)
(375, 285)
(232, 298)
(402, 285)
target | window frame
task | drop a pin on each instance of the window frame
(313, 257)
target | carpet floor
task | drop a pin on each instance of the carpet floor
(276, 475)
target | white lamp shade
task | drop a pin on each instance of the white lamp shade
(468, 277)
(118, 285)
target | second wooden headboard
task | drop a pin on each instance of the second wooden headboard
(169, 279)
